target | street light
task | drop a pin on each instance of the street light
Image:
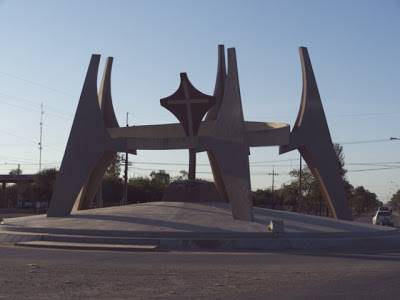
(393, 138)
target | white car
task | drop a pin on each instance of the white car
(383, 217)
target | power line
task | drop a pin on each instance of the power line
(374, 169)
(56, 113)
(364, 114)
(384, 164)
(35, 83)
(365, 142)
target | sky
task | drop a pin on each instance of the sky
(354, 48)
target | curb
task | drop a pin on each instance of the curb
(166, 243)
(86, 246)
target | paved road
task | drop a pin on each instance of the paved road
(59, 274)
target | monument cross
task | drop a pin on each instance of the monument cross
(189, 105)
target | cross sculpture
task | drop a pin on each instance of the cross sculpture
(225, 135)
(189, 106)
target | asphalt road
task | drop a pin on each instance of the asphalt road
(59, 274)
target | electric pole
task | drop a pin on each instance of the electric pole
(125, 196)
(300, 175)
(41, 136)
(273, 174)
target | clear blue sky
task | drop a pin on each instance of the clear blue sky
(354, 47)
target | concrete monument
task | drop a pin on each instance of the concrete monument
(95, 137)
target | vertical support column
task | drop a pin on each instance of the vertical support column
(4, 187)
(125, 195)
(192, 165)
(99, 195)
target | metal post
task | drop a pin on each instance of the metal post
(4, 185)
(192, 165)
(273, 182)
(125, 196)
(41, 136)
(300, 174)
(273, 185)
(99, 195)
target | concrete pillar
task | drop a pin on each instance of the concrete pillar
(99, 196)
(192, 165)
(5, 204)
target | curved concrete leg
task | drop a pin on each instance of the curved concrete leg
(217, 175)
(212, 115)
(93, 184)
(311, 136)
(84, 149)
(105, 98)
(84, 201)
(229, 154)
(89, 149)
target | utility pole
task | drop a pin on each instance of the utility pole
(41, 136)
(125, 196)
(300, 175)
(273, 174)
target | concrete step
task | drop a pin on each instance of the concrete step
(88, 246)
(87, 239)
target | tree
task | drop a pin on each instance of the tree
(183, 175)
(145, 189)
(114, 169)
(16, 171)
(311, 200)
(395, 201)
(42, 187)
(340, 156)
(363, 201)
(14, 190)
(111, 190)
(160, 177)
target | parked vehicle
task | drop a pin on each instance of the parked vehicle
(384, 208)
(383, 217)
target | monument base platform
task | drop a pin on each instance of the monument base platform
(191, 191)
(194, 226)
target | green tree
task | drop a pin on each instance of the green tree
(363, 201)
(147, 189)
(16, 171)
(311, 200)
(42, 187)
(14, 189)
(395, 201)
(111, 190)
(161, 177)
(114, 169)
(183, 175)
(340, 156)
